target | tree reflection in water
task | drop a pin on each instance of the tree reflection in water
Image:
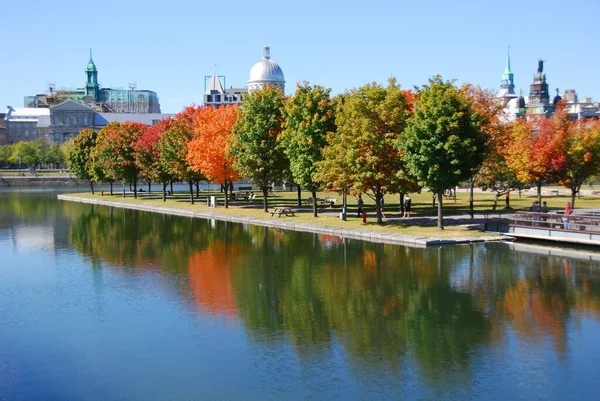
(437, 306)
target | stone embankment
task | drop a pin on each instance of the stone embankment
(40, 181)
(362, 234)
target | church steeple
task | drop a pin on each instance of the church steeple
(507, 85)
(91, 75)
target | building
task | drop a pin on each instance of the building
(216, 95)
(538, 102)
(3, 132)
(61, 122)
(114, 100)
(26, 124)
(266, 72)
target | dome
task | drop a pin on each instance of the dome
(266, 71)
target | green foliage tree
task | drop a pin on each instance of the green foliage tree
(78, 155)
(308, 117)
(444, 141)
(30, 153)
(370, 121)
(5, 153)
(255, 145)
(53, 155)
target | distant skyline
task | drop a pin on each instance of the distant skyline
(170, 48)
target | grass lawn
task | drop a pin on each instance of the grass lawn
(329, 216)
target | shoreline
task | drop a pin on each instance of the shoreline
(360, 234)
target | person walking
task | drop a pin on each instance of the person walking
(381, 207)
(360, 206)
(566, 220)
(407, 206)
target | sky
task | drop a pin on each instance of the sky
(170, 46)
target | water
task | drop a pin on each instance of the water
(109, 304)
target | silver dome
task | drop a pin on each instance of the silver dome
(266, 71)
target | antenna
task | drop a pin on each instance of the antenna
(130, 103)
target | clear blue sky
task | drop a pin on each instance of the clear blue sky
(169, 46)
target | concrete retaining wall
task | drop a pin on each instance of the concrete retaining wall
(366, 235)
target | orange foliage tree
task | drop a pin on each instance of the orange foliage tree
(535, 150)
(208, 150)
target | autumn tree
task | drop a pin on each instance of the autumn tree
(78, 155)
(147, 155)
(534, 150)
(308, 117)
(370, 121)
(493, 173)
(115, 151)
(208, 149)
(582, 154)
(254, 145)
(173, 148)
(444, 142)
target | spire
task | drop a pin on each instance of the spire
(507, 70)
(507, 85)
(90, 54)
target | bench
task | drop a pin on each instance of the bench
(282, 210)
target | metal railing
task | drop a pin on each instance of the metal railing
(556, 221)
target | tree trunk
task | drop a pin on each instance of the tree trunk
(111, 189)
(314, 202)
(471, 185)
(402, 204)
(344, 205)
(149, 186)
(135, 186)
(165, 191)
(92, 186)
(299, 196)
(440, 211)
(226, 196)
(539, 191)
(191, 184)
(378, 206)
(171, 188)
(265, 191)
(573, 193)
(495, 202)
(197, 183)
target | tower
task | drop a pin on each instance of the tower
(539, 98)
(91, 75)
(507, 85)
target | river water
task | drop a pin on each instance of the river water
(102, 303)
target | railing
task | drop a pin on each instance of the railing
(556, 221)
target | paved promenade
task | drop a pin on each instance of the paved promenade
(362, 234)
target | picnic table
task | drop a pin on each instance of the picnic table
(282, 210)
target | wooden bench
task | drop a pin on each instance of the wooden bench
(282, 210)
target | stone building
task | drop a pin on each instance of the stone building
(64, 121)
